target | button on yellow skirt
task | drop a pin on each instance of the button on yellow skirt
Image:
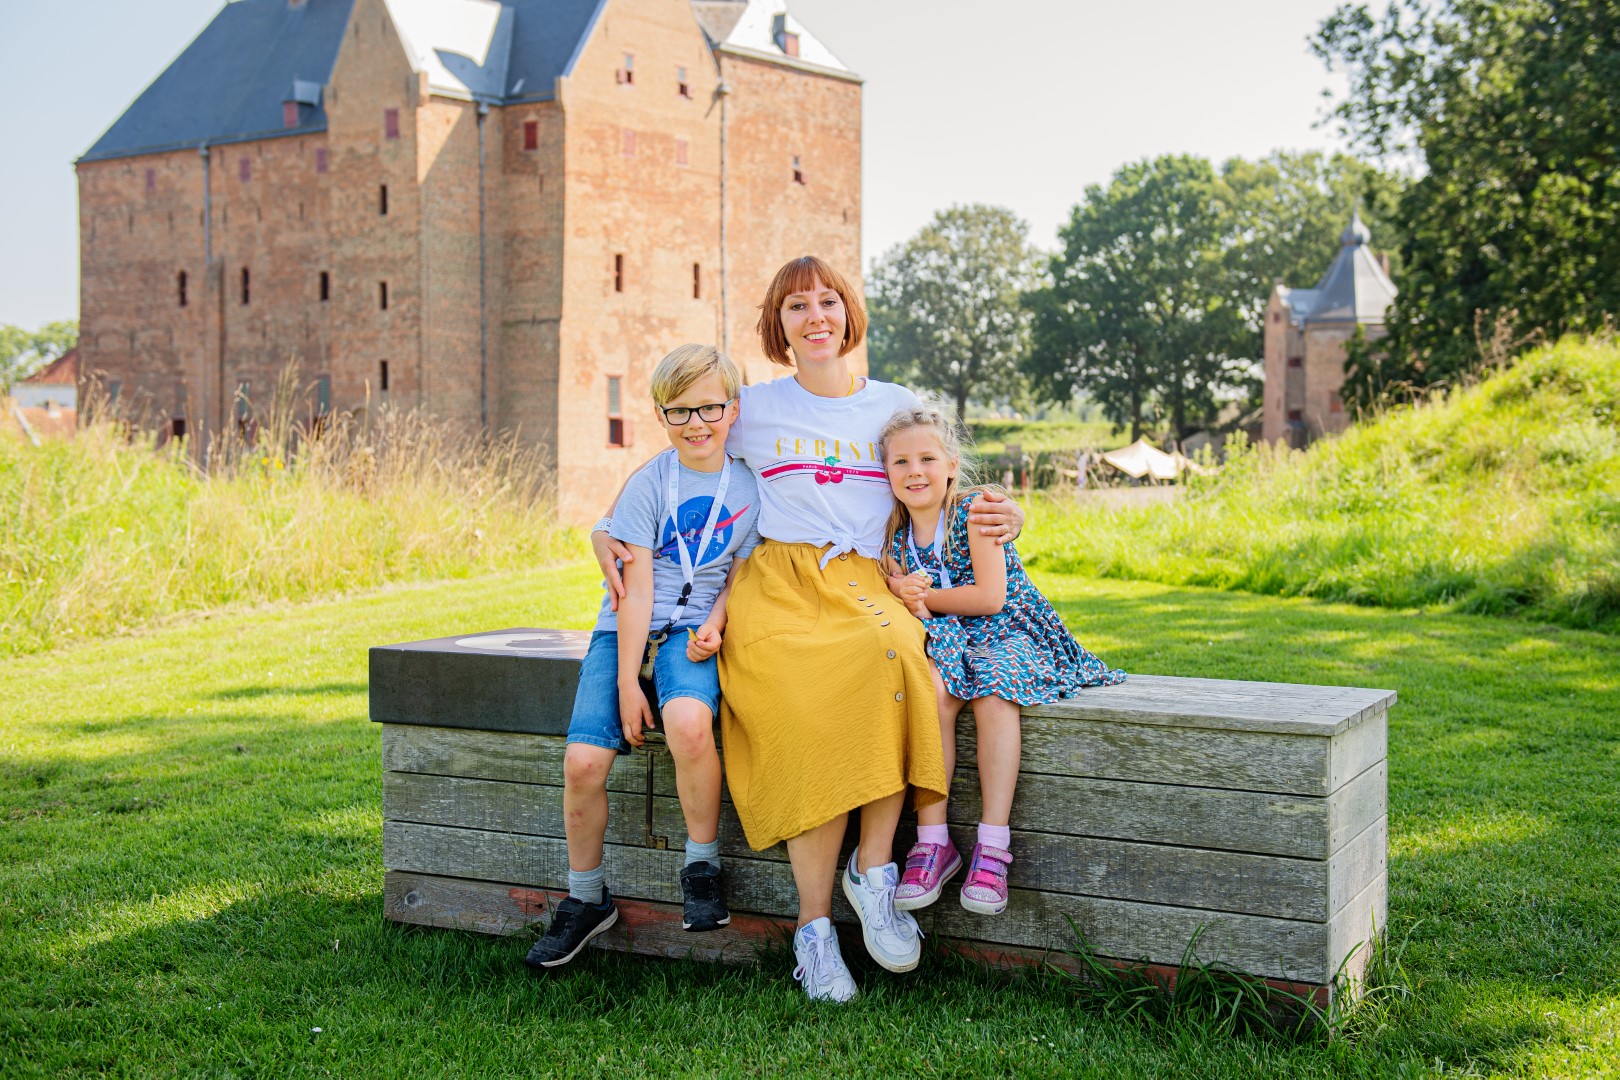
(827, 702)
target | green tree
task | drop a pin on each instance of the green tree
(23, 352)
(1290, 209)
(1513, 108)
(1144, 314)
(946, 311)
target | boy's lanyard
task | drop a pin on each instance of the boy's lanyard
(939, 548)
(688, 566)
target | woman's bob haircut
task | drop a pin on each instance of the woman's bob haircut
(801, 275)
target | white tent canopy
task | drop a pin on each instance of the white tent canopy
(1142, 458)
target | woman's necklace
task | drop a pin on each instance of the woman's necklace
(851, 384)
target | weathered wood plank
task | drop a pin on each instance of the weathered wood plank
(1116, 750)
(654, 929)
(1354, 930)
(645, 927)
(1359, 863)
(1220, 880)
(1223, 704)
(1353, 752)
(524, 680)
(1279, 948)
(1264, 823)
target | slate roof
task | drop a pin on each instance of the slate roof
(1354, 289)
(230, 83)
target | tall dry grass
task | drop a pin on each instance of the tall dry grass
(115, 529)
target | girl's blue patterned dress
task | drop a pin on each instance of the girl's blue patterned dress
(1023, 653)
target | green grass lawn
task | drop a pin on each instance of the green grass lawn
(190, 866)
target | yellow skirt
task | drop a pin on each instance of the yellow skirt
(827, 702)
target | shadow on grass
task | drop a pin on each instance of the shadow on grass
(239, 693)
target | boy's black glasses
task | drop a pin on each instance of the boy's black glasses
(676, 415)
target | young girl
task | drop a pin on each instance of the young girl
(993, 640)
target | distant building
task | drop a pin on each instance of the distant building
(1306, 332)
(503, 212)
(48, 400)
(54, 386)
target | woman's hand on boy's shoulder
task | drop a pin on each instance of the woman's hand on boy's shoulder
(609, 554)
(996, 515)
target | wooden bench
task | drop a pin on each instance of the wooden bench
(1253, 814)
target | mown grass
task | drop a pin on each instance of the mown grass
(992, 437)
(109, 531)
(1501, 499)
(190, 867)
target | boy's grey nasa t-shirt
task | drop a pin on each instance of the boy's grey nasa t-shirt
(642, 517)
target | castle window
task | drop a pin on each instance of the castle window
(391, 123)
(629, 143)
(382, 294)
(531, 134)
(697, 281)
(151, 179)
(1296, 414)
(626, 75)
(181, 281)
(1296, 361)
(244, 170)
(1336, 405)
(615, 413)
(320, 159)
(1276, 316)
(323, 395)
(326, 286)
(289, 114)
(682, 87)
(244, 407)
(618, 273)
(382, 200)
(786, 40)
(680, 151)
(177, 427)
(244, 284)
(798, 170)
(383, 376)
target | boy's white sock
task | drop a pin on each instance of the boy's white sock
(587, 885)
(696, 852)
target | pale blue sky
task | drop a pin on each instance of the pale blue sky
(1021, 103)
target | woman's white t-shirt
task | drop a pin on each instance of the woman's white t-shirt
(820, 478)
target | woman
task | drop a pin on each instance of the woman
(828, 702)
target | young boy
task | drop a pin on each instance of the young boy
(688, 518)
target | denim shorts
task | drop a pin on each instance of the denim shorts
(596, 702)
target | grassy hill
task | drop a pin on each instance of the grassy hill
(1502, 498)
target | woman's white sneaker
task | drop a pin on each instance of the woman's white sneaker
(821, 969)
(891, 936)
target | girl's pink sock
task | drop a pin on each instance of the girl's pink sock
(933, 834)
(999, 836)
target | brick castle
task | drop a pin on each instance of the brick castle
(504, 213)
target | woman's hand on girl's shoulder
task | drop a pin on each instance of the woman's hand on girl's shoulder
(997, 515)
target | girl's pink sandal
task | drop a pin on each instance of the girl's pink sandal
(985, 890)
(928, 868)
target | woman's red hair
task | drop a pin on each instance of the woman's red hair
(800, 275)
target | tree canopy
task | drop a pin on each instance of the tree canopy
(1156, 300)
(946, 311)
(1513, 109)
(23, 352)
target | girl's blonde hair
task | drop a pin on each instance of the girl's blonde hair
(954, 440)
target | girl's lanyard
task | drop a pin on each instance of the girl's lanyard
(688, 566)
(939, 549)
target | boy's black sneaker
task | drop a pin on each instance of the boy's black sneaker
(572, 927)
(703, 898)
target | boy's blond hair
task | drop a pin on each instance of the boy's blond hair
(676, 372)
